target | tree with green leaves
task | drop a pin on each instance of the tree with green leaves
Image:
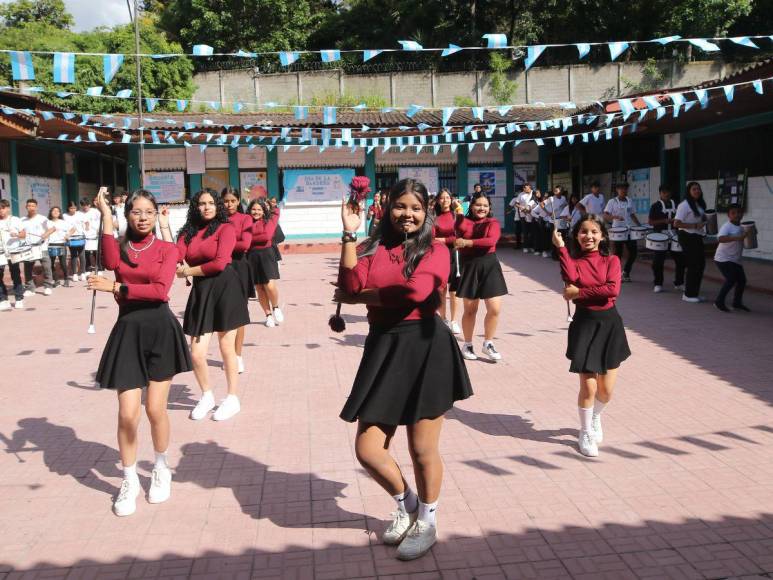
(51, 12)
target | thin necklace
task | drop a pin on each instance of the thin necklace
(137, 251)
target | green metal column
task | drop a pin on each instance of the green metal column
(14, 185)
(272, 172)
(461, 172)
(133, 168)
(65, 187)
(543, 167)
(370, 172)
(233, 167)
(194, 180)
(507, 159)
(663, 169)
(682, 166)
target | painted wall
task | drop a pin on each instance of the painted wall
(46, 190)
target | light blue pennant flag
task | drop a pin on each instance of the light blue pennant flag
(423, 139)
(744, 41)
(729, 92)
(387, 109)
(124, 94)
(585, 137)
(203, 50)
(412, 110)
(187, 145)
(301, 113)
(568, 105)
(532, 54)
(477, 112)
(64, 67)
(757, 86)
(286, 148)
(704, 44)
(558, 140)
(328, 115)
(94, 91)
(288, 58)
(77, 139)
(474, 135)
(189, 125)
(452, 49)
(326, 135)
(626, 107)
(609, 118)
(566, 122)
(495, 40)
(202, 147)
(150, 104)
(570, 138)
(360, 107)
(660, 112)
(330, 55)
(436, 149)
(530, 125)
(171, 141)
(677, 110)
(21, 66)
(616, 49)
(369, 54)
(689, 105)
(63, 137)
(420, 127)
(503, 111)
(651, 102)
(471, 146)
(110, 65)
(608, 134)
(666, 39)
(486, 145)
(642, 114)
(539, 142)
(68, 116)
(583, 48)
(453, 148)
(182, 104)
(238, 106)
(245, 54)
(676, 98)
(47, 115)
(410, 45)
(154, 136)
(127, 138)
(209, 136)
(620, 131)
(162, 56)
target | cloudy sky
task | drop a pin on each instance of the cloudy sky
(89, 14)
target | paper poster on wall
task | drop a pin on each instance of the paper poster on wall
(216, 179)
(427, 175)
(316, 185)
(639, 189)
(166, 186)
(563, 179)
(524, 173)
(491, 179)
(195, 160)
(253, 184)
(46, 191)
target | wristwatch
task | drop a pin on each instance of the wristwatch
(349, 237)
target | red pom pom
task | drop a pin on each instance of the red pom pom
(360, 187)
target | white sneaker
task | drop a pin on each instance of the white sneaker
(587, 445)
(399, 527)
(126, 502)
(270, 323)
(657, 289)
(203, 407)
(19, 305)
(490, 351)
(5, 305)
(455, 327)
(279, 318)
(160, 485)
(468, 352)
(679, 287)
(240, 364)
(526, 250)
(691, 299)
(545, 254)
(29, 292)
(228, 408)
(48, 292)
(420, 538)
(598, 432)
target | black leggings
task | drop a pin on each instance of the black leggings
(633, 251)
(77, 256)
(62, 263)
(694, 261)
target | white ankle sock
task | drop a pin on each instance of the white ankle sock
(208, 395)
(130, 473)
(598, 406)
(487, 342)
(427, 512)
(586, 416)
(407, 501)
(467, 344)
(161, 460)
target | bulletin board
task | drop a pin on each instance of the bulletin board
(731, 188)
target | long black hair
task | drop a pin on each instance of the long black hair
(574, 247)
(475, 197)
(131, 235)
(261, 201)
(51, 211)
(416, 244)
(695, 203)
(194, 222)
(437, 200)
(234, 192)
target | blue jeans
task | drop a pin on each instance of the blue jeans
(734, 276)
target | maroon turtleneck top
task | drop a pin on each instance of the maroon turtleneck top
(484, 234)
(242, 223)
(213, 254)
(445, 227)
(598, 278)
(263, 231)
(151, 280)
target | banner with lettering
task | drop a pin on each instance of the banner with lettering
(316, 185)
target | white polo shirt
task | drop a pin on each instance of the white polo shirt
(554, 206)
(685, 214)
(593, 203)
(729, 251)
(622, 208)
(35, 228)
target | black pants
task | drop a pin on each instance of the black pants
(91, 260)
(659, 258)
(633, 251)
(526, 234)
(62, 263)
(694, 261)
(519, 233)
(536, 236)
(734, 276)
(77, 256)
(18, 287)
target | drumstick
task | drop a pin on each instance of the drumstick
(97, 265)
(456, 257)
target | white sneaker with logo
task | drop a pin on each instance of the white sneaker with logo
(5, 305)
(399, 527)
(491, 352)
(270, 323)
(420, 538)
(455, 327)
(160, 485)
(228, 408)
(126, 502)
(587, 445)
(598, 432)
(468, 353)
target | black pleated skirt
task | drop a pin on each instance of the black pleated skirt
(456, 266)
(146, 344)
(411, 371)
(597, 341)
(482, 278)
(243, 269)
(264, 265)
(216, 304)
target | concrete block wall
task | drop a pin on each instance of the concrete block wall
(165, 159)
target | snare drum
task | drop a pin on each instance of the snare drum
(19, 251)
(76, 241)
(750, 241)
(675, 245)
(92, 245)
(618, 234)
(657, 242)
(638, 232)
(56, 250)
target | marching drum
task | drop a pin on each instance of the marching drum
(638, 232)
(750, 241)
(711, 222)
(675, 245)
(19, 251)
(657, 242)
(77, 241)
(92, 245)
(618, 234)
(56, 250)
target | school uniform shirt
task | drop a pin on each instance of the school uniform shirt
(593, 203)
(684, 213)
(729, 251)
(516, 213)
(412, 299)
(445, 227)
(484, 233)
(151, 280)
(622, 208)
(597, 277)
(538, 212)
(242, 224)
(73, 223)
(572, 216)
(661, 210)
(120, 219)
(263, 231)
(9, 229)
(88, 222)
(554, 206)
(523, 199)
(527, 203)
(61, 228)
(35, 228)
(213, 254)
